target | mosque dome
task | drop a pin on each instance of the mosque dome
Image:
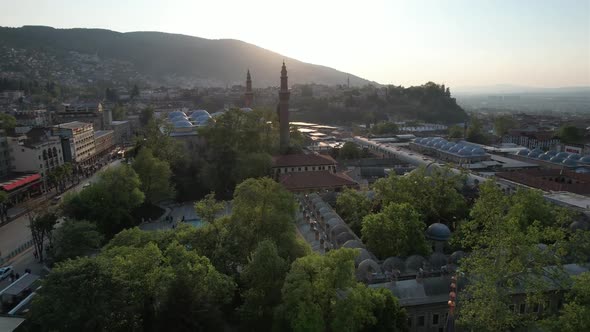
(182, 123)
(438, 232)
(585, 160)
(176, 114)
(551, 153)
(437, 260)
(457, 256)
(393, 263)
(414, 262)
(545, 156)
(556, 159)
(580, 225)
(563, 155)
(523, 152)
(574, 156)
(478, 152)
(570, 162)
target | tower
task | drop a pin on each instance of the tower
(249, 95)
(283, 109)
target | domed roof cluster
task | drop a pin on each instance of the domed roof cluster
(564, 158)
(438, 232)
(463, 149)
(198, 118)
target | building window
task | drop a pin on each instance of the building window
(536, 307)
(299, 169)
(434, 319)
(306, 168)
(420, 320)
(522, 308)
(410, 322)
(511, 307)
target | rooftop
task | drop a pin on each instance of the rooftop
(72, 125)
(100, 133)
(296, 160)
(301, 181)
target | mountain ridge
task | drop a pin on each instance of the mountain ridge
(163, 56)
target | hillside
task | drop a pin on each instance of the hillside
(78, 56)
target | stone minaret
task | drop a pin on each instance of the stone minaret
(249, 95)
(283, 110)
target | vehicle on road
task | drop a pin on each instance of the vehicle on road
(5, 272)
(56, 199)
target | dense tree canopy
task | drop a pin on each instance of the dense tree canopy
(570, 134)
(396, 231)
(154, 175)
(75, 238)
(513, 239)
(109, 201)
(353, 206)
(321, 294)
(435, 195)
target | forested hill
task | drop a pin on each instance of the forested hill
(79, 55)
(429, 102)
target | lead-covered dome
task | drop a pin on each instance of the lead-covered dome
(438, 232)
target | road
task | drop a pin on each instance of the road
(17, 232)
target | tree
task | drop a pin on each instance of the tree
(208, 208)
(511, 249)
(349, 151)
(109, 201)
(353, 206)
(146, 116)
(252, 165)
(434, 194)
(396, 231)
(263, 278)
(7, 121)
(455, 132)
(503, 123)
(321, 293)
(75, 238)
(134, 92)
(475, 132)
(575, 315)
(41, 226)
(384, 128)
(140, 288)
(154, 175)
(119, 113)
(570, 134)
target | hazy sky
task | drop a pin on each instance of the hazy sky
(458, 42)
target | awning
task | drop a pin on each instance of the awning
(19, 181)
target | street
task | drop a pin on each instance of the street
(16, 233)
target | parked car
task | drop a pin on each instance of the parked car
(5, 272)
(56, 199)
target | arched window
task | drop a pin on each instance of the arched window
(49, 154)
(44, 154)
(54, 152)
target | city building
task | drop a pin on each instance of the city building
(310, 173)
(550, 180)
(103, 142)
(77, 140)
(4, 155)
(459, 153)
(37, 151)
(122, 132)
(32, 118)
(532, 139)
(93, 113)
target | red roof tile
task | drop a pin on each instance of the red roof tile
(295, 160)
(300, 181)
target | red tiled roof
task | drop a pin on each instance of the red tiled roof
(299, 181)
(294, 160)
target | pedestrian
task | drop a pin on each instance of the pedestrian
(35, 254)
(12, 276)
